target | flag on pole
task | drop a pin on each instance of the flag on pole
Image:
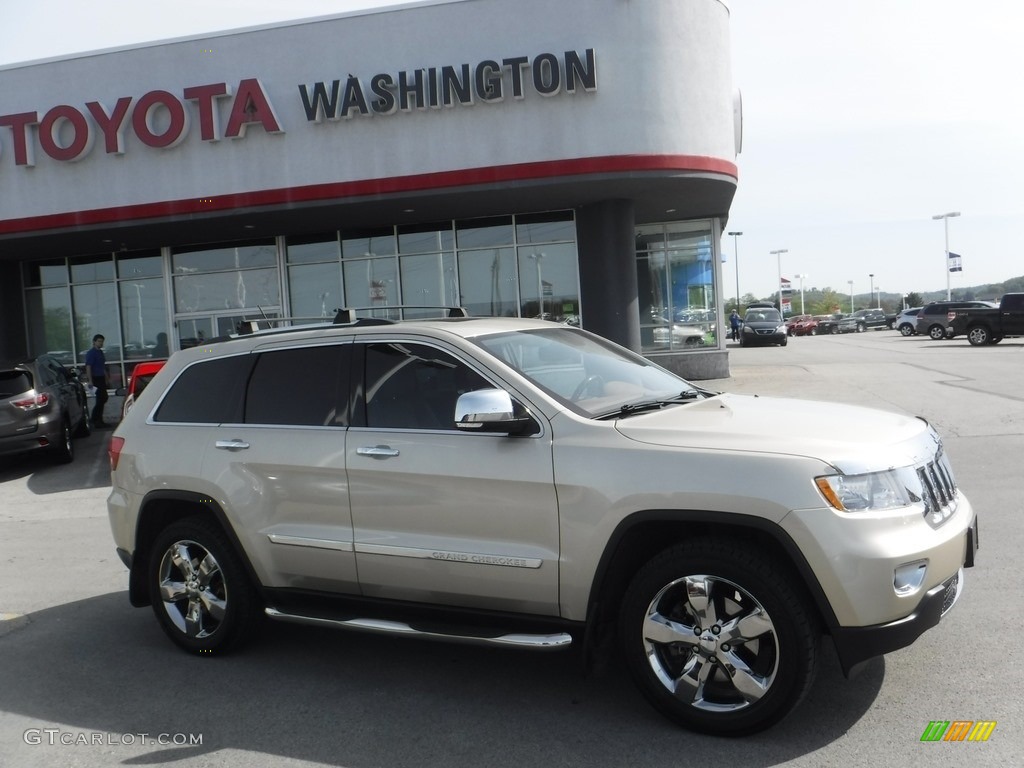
(954, 262)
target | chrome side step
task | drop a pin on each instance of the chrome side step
(532, 642)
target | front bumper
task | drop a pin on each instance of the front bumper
(855, 645)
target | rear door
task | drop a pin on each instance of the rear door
(1011, 312)
(444, 516)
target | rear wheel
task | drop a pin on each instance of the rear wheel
(717, 638)
(979, 335)
(64, 451)
(834, 329)
(200, 592)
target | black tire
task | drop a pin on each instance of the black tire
(906, 329)
(861, 327)
(937, 332)
(979, 335)
(200, 591)
(812, 332)
(834, 329)
(64, 450)
(84, 428)
(996, 339)
(674, 616)
(784, 341)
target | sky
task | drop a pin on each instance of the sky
(862, 121)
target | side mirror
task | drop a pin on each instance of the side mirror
(493, 410)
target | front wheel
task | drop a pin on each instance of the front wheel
(979, 335)
(200, 592)
(717, 638)
(937, 332)
(907, 329)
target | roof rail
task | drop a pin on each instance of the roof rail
(451, 311)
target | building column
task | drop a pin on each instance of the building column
(12, 313)
(606, 241)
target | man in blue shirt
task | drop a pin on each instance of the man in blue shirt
(96, 371)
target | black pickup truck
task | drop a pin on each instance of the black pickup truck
(990, 326)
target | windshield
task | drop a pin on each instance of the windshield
(584, 372)
(763, 316)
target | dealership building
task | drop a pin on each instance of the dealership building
(574, 161)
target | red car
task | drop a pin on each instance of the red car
(140, 376)
(802, 325)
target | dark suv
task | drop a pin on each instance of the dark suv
(42, 405)
(932, 320)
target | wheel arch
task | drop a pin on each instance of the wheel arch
(158, 510)
(644, 534)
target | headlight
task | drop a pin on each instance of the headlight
(781, 328)
(870, 492)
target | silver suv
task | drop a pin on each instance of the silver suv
(521, 483)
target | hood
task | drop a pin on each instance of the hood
(853, 439)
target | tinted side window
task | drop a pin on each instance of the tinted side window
(305, 387)
(208, 392)
(414, 386)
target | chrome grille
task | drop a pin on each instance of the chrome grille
(952, 593)
(939, 488)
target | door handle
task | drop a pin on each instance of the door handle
(381, 451)
(231, 445)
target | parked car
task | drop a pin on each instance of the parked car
(837, 323)
(802, 325)
(906, 321)
(763, 326)
(517, 483)
(679, 335)
(43, 406)
(870, 319)
(990, 326)
(138, 380)
(933, 320)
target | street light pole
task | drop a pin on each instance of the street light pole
(801, 291)
(851, 295)
(778, 255)
(871, 295)
(945, 223)
(736, 252)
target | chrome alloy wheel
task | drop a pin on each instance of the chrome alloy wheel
(711, 644)
(192, 588)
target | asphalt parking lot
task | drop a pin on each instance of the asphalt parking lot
(87, 680)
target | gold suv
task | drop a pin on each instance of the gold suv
(521, 483)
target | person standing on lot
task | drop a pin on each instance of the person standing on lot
(96, 371)
(735, 322)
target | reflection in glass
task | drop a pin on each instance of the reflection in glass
(95, 311)
(371, 284)
(248, 288)
(301, 251)
(484, 233)
(488, 282)
(87, 269)
(49, 323)
(545, 228)
(428, 280)
(357, 243)
(429, 238)
(549, 282)
(217, 259)
(143, 318)
(46, 273)
(315, 290)
(133, 267)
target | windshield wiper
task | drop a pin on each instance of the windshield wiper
(629, 409)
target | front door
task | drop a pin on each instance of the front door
(439, 515)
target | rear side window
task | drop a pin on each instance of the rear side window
(302, 387)
(209, 392)
(14, 383)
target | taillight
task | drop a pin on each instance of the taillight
(114, 451)
(33, 403)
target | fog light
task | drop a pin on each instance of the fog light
(907, 579)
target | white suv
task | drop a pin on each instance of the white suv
(521, 483)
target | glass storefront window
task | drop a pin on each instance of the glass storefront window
(311, 251)
(549, 282)
(143, 264)
(315, 290)
(545, 228)
(42, 273)
(359, 243)
(242, 289)
(428, 238)
(676, 286)
(240, 256)
(49, 327)
(144, 318)
(95, 307)
(487, 280)
(484, 233)
(90, 269)
(428, 280)
(371, 284)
